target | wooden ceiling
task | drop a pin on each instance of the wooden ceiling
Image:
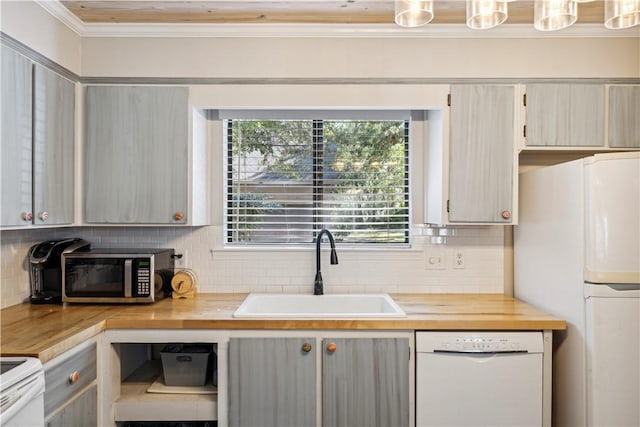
(289, 11)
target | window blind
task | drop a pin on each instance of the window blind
(288, 179)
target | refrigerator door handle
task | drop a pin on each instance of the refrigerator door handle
(611, 290)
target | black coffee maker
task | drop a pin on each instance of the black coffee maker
(45, 268)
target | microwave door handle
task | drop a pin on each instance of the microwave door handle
(127, 277)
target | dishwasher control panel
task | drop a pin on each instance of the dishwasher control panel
(484, 342)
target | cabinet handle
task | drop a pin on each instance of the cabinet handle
(27, 216)
(506, 214)
(74, 377)
(43, 216)
(306, 347)
(331, 347)
(178, 216)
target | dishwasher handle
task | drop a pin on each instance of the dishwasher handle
(481, 352)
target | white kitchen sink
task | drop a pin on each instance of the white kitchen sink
(323, 306)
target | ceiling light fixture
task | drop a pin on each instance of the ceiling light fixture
(553, 15)
(549, 15)
(620, 14)
(413, 13)
(485, 14)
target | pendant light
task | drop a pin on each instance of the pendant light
(552, 15)
(485, 14)
(413, 13)
(619, 14)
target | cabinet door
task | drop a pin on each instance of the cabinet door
(136, 155)
(53, 142)
(565, 115)
(82, 412)
(16, 139)
(365, 382)
(624, 116)
(272, 382)
(481, 153)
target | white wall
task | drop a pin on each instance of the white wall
(31, 25)
(290, 270)
(361, 57)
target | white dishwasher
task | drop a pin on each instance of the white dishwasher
(479, 379)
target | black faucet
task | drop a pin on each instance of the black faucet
(317, 284)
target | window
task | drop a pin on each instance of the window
(289, 178)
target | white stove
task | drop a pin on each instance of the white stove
(21, 392)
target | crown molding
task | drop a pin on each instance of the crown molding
(55, 8)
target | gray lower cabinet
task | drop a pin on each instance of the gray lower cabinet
(82, 412)
(364, 381)
(565, 115)
(16, 144)
(481, 154)
(272, 382)
(136, 155)
(70, 396)
(38, 108)
(624, 116)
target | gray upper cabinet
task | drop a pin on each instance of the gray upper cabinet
(38, 108)
(53, 148)
(565, 115)
(481, 154)
(136, 155)
(272, 382)
(365, 382)
(16, 138)
(624, 116)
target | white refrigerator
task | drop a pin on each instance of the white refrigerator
(577, 256)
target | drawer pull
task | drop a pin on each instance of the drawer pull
(306, 347)
(74, 377)
(331, 347)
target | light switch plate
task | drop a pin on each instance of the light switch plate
(434, 258)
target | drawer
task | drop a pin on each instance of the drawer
(61, 381)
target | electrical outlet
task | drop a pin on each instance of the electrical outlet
(434, 259)
(458, 260)
(181, 262)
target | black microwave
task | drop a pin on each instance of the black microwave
(117, 275)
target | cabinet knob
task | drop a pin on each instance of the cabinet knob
(306, 347)
(506, 214)
(27, 216)
(74, 377)
(43, 216)
(178, 216)
(331, 347)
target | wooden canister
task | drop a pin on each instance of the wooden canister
(184, 284)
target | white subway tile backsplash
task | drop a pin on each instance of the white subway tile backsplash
(238, 270)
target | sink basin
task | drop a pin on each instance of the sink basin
(319, 306)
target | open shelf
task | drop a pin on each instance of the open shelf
(136, 404)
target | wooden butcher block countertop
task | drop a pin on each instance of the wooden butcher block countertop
(46, 331)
